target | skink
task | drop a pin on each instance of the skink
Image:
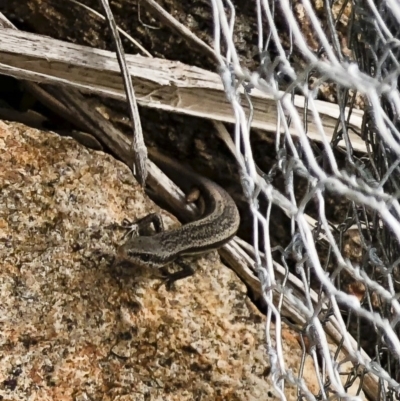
(218, 224)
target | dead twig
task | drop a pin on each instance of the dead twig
(138, 145)
(121, 31)
(179, 28)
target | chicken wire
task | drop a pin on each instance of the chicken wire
(349, 257)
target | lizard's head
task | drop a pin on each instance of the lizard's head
(140, 252)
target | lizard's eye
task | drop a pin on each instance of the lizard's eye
(145, 257)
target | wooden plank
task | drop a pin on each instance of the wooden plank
(161, 84)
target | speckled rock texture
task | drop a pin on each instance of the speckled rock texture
(72, 329)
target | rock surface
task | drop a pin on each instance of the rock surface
(71, 329)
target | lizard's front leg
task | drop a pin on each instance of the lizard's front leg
(142, 224)
(170, 278)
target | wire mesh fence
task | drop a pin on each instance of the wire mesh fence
(342, 199)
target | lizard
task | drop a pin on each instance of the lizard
(217, 226)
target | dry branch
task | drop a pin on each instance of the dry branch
(161, 84)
